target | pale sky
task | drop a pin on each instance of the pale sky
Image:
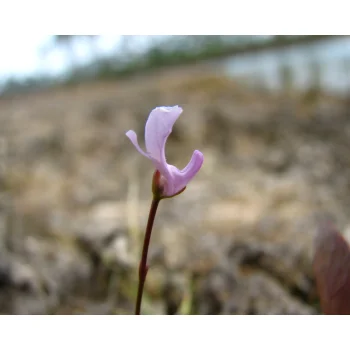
(20, 55)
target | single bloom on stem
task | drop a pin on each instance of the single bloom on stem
(158, 127)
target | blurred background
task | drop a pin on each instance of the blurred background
(269, 113)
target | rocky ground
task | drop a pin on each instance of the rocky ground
(75, 196)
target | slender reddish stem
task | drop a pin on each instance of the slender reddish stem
(143, 268)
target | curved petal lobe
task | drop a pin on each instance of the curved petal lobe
(158, 127)
(180, 178)
(133, 138)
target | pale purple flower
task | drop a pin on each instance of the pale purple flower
(158, 127)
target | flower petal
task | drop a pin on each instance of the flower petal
(133, 138)
(180, 178)
(158, 127)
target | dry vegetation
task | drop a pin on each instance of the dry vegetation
(75, 196)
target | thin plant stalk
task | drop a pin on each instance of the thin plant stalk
(143, 268)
